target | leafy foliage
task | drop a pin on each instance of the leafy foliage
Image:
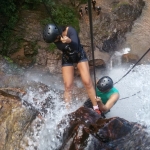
(52, 46)
(7, 7)
(9, 12)
(61, 14)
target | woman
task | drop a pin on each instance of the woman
(66, 39)
(81, 11)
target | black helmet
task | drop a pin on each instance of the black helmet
(104, 84)
(50, 33)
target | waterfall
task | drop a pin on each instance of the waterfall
(133, 108)
(44, 135)
(115, 59)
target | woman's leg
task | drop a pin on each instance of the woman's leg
(68, 76)
(87, 81)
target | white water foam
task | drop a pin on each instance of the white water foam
(133, 108)
(47, 135)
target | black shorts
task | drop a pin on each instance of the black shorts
(70, 60)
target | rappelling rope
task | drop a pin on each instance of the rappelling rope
(133, 65)
(129, 96)
(91, 32)
(50, 13)
(128, 73)
(92, 45)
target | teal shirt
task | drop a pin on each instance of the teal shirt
(106, 95)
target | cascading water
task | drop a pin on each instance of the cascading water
(116, 58)
(133, 108)
(44, 135)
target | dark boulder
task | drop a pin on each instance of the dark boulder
(87, 130)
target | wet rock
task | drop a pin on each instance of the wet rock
(53, 60)
(83, 129)
(41, 58)
(129, 58)
(115, 20)
(98, 63)
(29, 49)
(87, 130)
(14, 121)
(24, 62)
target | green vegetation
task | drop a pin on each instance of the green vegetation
(30, 4)
(34, 47)
(8, 59)
(52, 47)
(10, 13)
(62, 15)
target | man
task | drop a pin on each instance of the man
(81, 11)
(98, 10)
(107, 95)
(86, 9)
(94, 3)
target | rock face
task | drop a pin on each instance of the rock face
(27, 47)
(118, 22)
(116, 19)
(130, 58)
(14, 121)
(85, 129)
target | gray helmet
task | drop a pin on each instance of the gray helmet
(104, 84)
(50, 33)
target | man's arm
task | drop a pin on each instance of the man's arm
(112, 100)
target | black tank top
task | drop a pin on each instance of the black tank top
(75, 42)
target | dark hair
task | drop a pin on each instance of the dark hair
(63, 28)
